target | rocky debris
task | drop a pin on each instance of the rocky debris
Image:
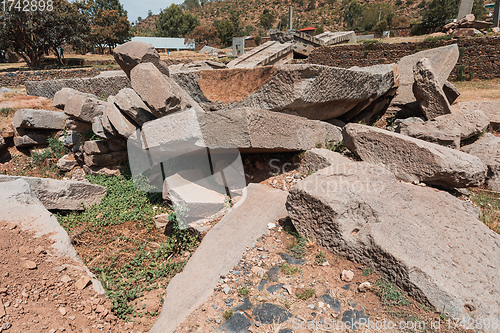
(268, 313)
(451, 92)
(196, 66)
(447, 130)
(133, 53)
(67, 162)
(428, 90)
(62, 194)
(487, 148)
(109, 159)
(99, 86)
(249, 130)
(160, 93)
(121, 123)
(77, 125)
(364, 205)
(347, 275)
(84, 107)
(311, 91)
(490, 108)
(29, 264)
(318, 158)
(29, 139)
(442, 60)
(96, 147)
(196, 228)
(219, 252)
(129, 103)
(101, 126)
(237, 323)
(466, 27)
(39, 119)
(364, 287)
(412, 159)
(25, 210)
(7, 132)
(62, 96)
(83, 282)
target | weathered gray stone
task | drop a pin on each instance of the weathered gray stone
(67, 162)
(490, 108)
(318, 158)
(99, 86)
(487, 148)
(62, 194)
(123, 126)
(451, 92)
(428, 90)
(412, 159)
(102, 127)
(30, 139)
(22, 208)
(62, 96)
(109, 159)
(196, 66)
(269, 53)
(246, 129)
(77, 125)
(442, 59)
(84, 108)
(448, 130)
(97, 147)
(311, 91)
(39, 119)
(133, 53)
(425, 241)
(219, 252)
(132, 105)
(160, 93)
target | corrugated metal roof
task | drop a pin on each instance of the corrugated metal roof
(166, 43)
(307, 29)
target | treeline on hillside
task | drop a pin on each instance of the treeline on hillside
(47, 25)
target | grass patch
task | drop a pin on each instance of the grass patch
(119, 243)
(5, 112)
(304, 294)
(489, 203)
(367, 272)
(320, 258)
(438, 38)
(298, 247)
(243, 291)
(289, 269)
(228, 314)
(390, 294)
(49, 156)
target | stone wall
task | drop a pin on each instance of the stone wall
(479, 57)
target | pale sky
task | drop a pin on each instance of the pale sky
(136, 8)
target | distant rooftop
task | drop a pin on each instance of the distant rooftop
(166, 43)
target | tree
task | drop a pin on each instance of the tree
(234, 17)
(204, 34)
(190, 4)
(267, 19)
(32, 33)
(224, 31)
(439, 12)
(174, 22)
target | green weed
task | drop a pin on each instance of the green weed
(320, 258)
(5, 112)
(228, 314)
(390, 294)
(367, 272)
(289, 269)
(305, 293)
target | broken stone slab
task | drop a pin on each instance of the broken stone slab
(269, 53)
(448, 130)
(62, 96)
(196, 66)
(220, 250)
(67, 162)
(463, 32)
(108, 159)
(21, 207)
(98, 86)
(428, 90)
(487, 148)
(84, 108)
(30, 139)
(311, 91)
(412, 159)
(96, 147)
(490, 108)
(318, 158)
(77, 125)
(159, 92)
(451, 92)
(62, 194)
(123, 125)
(425, 241)
(442, 59)
(249, 130)
(39, 119)
(197, 228)
(133, 53)
(130, 104)
(102, 127)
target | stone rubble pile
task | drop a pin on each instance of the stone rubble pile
(467, 27)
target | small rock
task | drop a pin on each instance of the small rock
(227, 290)
(364, 287)
(29, 264)
(65, 279)
(82, 282)
(347, 275)
(271, 225)
(62, 310)
(100, 309)
(258, 271)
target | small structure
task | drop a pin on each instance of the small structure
(309, 30)
(465, 8)
(166, 43)
(238, 46)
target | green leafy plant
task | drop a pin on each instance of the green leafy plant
(367, 272)
(304, 294)
(289, 269)
(390, 294)
(243, 291)
(228, 314)
(320, 258)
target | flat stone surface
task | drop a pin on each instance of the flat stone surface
(318, 158)
(247, 129)
(62, 194)
(272, 274)
(334, 303)
(84, 107)
(130, 104)
(426, 241)
(268, 313)
(354, 319)
(291, 260)
(311, 91)
(22, 208)
(109, 159)
(30, 139)
(62, 96)
(412, 159)
(269, 53)
(246, 305)
(122, 124)
(219, 252)
(274, 288)
(487, 148)
(236, 324)
(448, 130)
(490, 108)
(39, 119)
(428, 90)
